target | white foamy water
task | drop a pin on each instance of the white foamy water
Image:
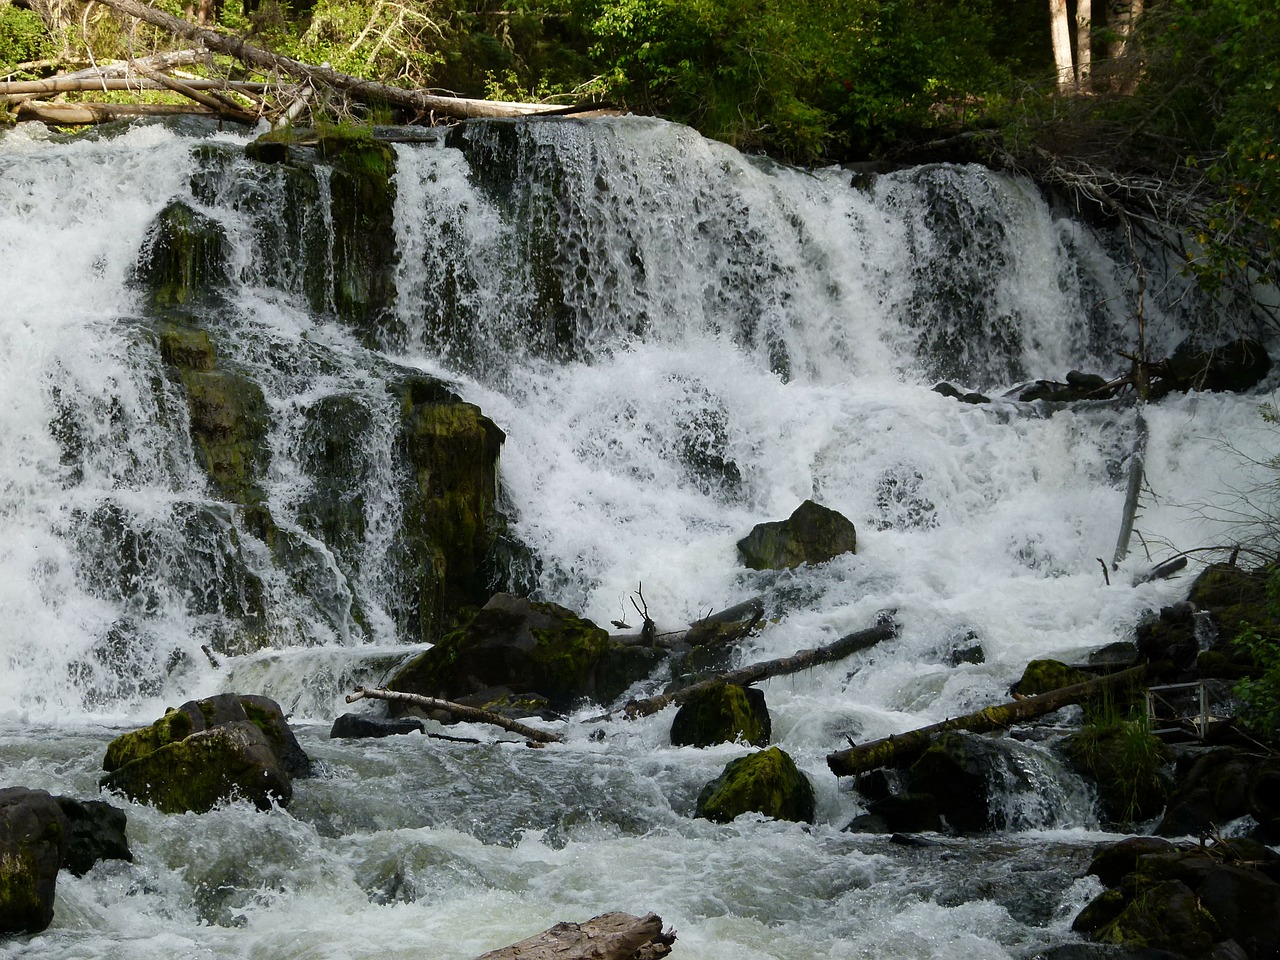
(679, 343)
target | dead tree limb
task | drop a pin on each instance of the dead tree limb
(1132, 491)
(55, 85)
(368, 91)
(228, 111)
(611, 936)
(458, 710)
(75, 114)
(902, 748)
(844, 647)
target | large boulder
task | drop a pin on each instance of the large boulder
(957, 770)
(33, 845)
(722, 713)
(1236, 366)
(526, 647)
(766, 782)
(813, 534)
(208, 752)
(96, 831)
(1212, 789)
(1126, 763)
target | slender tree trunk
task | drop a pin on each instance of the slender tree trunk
(1084, 44)
(1060, 31)
(462, 711)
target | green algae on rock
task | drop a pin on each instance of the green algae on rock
(766, 782)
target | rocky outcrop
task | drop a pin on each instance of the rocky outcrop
(723, 713)
(1202, 903)
(766, 782)
(812, 534)
(529, 648)
(184, 259)
(956, 772)
(33, 845)
(208, 752)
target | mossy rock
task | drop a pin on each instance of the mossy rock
(183, 260)
(1164, 916)
(1127, 765)
(723, 713)
(228, 762)
(175, 725)
(766, 782)
(1043, 676)
(525, 646)
(33, 845)
(957, 771)
(1235, 597)
(812, 534)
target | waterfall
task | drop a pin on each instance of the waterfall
(671, 342)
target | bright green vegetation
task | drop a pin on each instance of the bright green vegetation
(1116, 749)
(1260, 692)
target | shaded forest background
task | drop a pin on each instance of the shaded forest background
(1168, 109)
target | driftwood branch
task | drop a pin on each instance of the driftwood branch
(902, 748)
(54, 85)
(228, 111)
(367, 91)
(844, 647)
(612, 936)
(74, 114)
(458, 710)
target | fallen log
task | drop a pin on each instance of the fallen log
(54, 85)
(611, 936)
(224, 109)
(902, 748)
(844, 647)
(458, 710)
(367, 91)
(76, 114)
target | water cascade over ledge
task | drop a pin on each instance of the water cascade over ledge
(224, 485)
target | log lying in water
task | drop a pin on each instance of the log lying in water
(902, 748)
(612, 936)
(75, 114)
(459, 710)
(844, 647)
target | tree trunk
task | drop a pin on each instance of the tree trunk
(612, 936)
(1060, 31)
(54, 85)
(76, 114)
(1084, 43)
(903, 748)
(844, 647)
(367, 91)
(458, 710)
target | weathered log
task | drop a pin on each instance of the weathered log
(367, 91)
(611, 936)
(744, 676)
(75, 114)
(902, 748)
(224, 109)
(458, 710)
(54, 85)
(1132, 490)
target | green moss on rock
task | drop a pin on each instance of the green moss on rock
(812, 534)
(184, 258)
(173, 726)
(722, 713)
(767, 782)
(1042, 676)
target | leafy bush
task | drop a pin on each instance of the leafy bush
(1260, 693)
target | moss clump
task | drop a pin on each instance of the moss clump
(1126, 762)
(173, 726)
(723, 713)
(1042, 676)
(1163, 916)
(767, 782)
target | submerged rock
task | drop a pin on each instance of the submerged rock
(353, 726)
(766, 782)
(812, 534)
(33, 845)
(208, 752)
(96, 831)
(722, 713)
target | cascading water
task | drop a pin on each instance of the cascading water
(678, 342)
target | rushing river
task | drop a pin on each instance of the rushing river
(735, 337)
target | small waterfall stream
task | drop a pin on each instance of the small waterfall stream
(678, 342)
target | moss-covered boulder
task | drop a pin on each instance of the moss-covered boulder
(958, 770)
(183, 260)
(766, 782)
(1127, 764)
(451, 520)
(722, 713)
(207, 752)
(33, 845)
(232, 761)
(812, 534)
(523, 645)
(1041, 676)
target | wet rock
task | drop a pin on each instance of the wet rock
(354, 726)
(1041, 676)
(901, 813)
(1128, 766)
(1114, 861)
(1212, 789)
(33, 845)
(1236, 366)
(207, 752)
(956, 771)
(183, 260)
(812, 534)
(96, 831)
(1103, 951)
(766, 782)
(722, 713)
(1167, 916)
(528, 647)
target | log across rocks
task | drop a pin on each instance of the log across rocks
(610, 936)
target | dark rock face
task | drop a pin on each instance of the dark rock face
(96, 831)
(527, 647)
(1128, 766)
(1204, 903)
(722, 714)
(183, 260)
(955, 770)
(33, 845)
(353, 726)
(901, 813)
(207, 752)
(1236, 366)
(767, 782)
(812, 534)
